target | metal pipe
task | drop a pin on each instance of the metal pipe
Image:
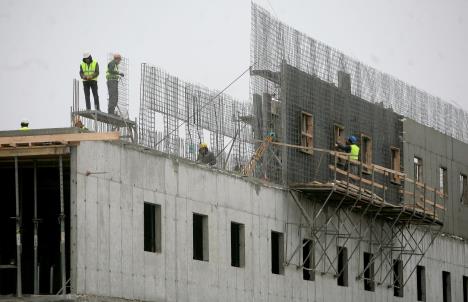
(62, 229)
(51, 280)
(35, 222)
(18, 233)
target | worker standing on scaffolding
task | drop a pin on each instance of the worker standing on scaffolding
(113, 76)
(205, 156)
(89, 72)
(353, 151)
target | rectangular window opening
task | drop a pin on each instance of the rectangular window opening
(395, 164)
(152, 227)
(443, 181)
(342, 266)
(369, 283)
(277, 253)
(421, 282)
(398, 278)
(200, 237)
(308, 260)
(307, 132)
(418, 169)
(339, 136)
(463, 189)
(446, 287)
(366, 151)
(237, 244)
(465, 289)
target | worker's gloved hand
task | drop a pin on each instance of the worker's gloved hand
(121, 74)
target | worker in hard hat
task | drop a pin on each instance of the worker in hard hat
(353, 149)
(113, 76)
(205, 156)
(89, 72)
(350, 147)
(24, 124)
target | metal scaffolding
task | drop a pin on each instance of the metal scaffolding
(351, 212)
(99, 121)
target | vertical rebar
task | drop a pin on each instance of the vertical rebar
(36, 243)
(18, 233)
(62, 229)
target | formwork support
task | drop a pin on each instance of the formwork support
(62, 230)
(36, 229)
(18, 233)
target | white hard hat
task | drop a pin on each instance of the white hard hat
(117, 56)
(86, 55)
(24, 121)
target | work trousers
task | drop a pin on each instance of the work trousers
(113, 88)
(87, 85)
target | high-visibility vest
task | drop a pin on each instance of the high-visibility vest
(111, 76)
(354, 152)
(89, 70)
(24, 128)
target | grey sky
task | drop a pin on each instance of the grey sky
(207, 41)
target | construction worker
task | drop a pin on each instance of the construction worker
(79, 124)
(89, 72)
(113, 75)
(350, 147)
(205, 156)
(24, 124)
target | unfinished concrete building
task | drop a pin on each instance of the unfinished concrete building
(282, 216)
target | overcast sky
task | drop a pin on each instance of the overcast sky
(423, 42)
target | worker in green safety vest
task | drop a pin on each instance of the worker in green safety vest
(89, 72)
(352, 149)
(113, 76)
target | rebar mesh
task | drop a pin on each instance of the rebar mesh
(273, 42)
(169, 105)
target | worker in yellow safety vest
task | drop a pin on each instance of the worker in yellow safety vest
(113, 76)
(350, 147)
(89, 72)
(24, 124)
(353, 151)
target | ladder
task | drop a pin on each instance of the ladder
(248, 169)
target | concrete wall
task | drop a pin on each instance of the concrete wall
(112, 183)
(439, 150)
(331, 105)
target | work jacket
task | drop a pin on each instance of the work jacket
(112, 73)
(90, 70)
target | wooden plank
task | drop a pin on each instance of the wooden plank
(70, 137)
(35, 151)
(355, 177)
(378, 169)
(429, 202)
(421, 186)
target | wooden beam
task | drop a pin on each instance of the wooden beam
(355, 177)
(69, 138)
(34, 151)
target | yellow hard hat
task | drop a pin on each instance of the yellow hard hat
(202, 145)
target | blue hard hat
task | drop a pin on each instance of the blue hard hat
(352, 139)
